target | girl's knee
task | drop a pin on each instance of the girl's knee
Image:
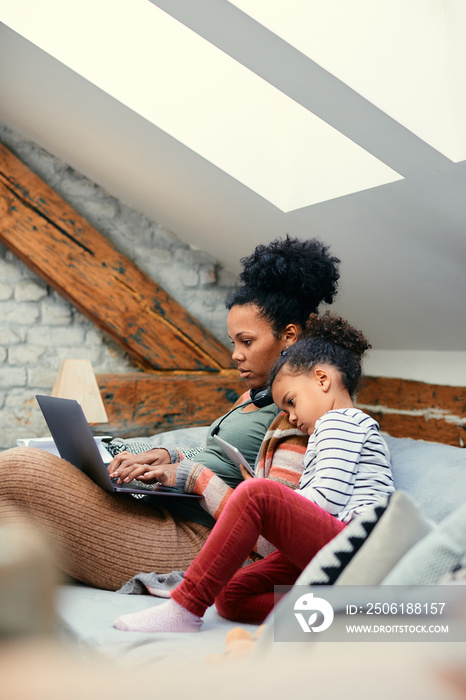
(254, 488)
(248, 493)
(245, 489)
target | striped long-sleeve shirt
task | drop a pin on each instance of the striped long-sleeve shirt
(347, 464)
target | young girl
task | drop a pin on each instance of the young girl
(346, 469)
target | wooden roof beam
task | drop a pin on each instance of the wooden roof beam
(72, 257)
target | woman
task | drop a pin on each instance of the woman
(104, 539)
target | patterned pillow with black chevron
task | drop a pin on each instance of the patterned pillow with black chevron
(329, 563)
(370, 546)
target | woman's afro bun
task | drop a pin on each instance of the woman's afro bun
(288, 279)
(295, 267)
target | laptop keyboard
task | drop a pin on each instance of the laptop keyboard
(135, 483)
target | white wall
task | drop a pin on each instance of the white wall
(447, 368)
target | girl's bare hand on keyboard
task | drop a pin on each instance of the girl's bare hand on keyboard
(126, 466)
(165, 475)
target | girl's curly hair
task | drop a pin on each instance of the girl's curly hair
(287, 279)
(328, 340)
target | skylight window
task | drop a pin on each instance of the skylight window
(185, 86)
(407, 58)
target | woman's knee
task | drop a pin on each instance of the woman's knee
(28, 469)
(10, 455)
(13, 463)
(18, 456)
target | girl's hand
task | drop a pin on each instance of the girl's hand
(244, 472)
(165, 475)
(126, 466)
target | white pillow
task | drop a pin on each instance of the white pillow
(416, 466)
(439, 554)
(370, 546)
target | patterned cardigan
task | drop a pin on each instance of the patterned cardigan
(281, 459)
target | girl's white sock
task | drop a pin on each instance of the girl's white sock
(168, 617)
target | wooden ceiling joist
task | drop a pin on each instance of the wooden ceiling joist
(73, 258)
(140, 403)
(408, 408)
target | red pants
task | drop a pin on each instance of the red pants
(294, 525)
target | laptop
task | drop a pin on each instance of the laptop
(76, 443)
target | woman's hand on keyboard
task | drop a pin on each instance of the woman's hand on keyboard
(126, 466)
(165, 475)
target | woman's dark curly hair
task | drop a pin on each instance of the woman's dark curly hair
(328, 340)
(287, 279)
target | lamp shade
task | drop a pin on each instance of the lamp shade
(76, 380)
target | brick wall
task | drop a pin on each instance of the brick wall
(38, 328)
